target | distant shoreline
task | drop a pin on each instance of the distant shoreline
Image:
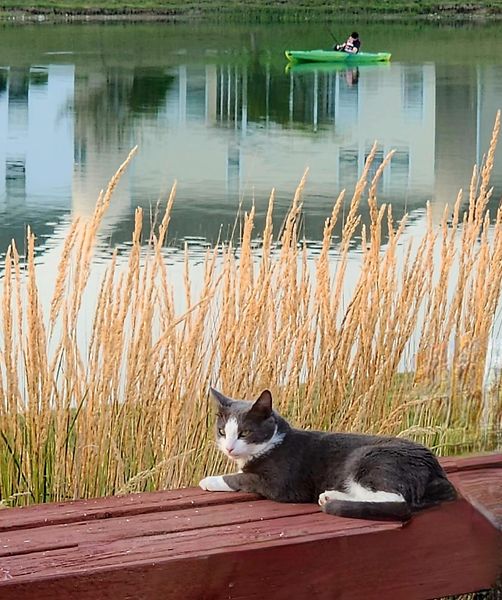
(232, 10)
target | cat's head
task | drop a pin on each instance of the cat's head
(245, 430)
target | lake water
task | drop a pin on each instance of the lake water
(214, 107)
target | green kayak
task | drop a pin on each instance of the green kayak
(334, 56)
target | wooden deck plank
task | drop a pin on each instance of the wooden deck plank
(314, 557)
(167, 549)
(26, 541)
(188, 544)
(42, 515)
(483, 489)
(453, 464)
(89, 555)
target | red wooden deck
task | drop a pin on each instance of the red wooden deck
(190, 544)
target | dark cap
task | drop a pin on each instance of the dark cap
(354, 34)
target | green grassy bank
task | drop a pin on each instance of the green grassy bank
(292, 10)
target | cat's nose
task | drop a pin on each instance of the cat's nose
(230, 449)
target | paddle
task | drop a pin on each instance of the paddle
(332, 35)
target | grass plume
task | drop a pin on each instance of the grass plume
(126, 408)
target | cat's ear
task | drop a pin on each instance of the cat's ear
(263, 406)
(221, 400)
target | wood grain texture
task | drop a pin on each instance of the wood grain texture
(453, 464)
(27, 541)
(189, 544)
(42, 515)
(483, 489)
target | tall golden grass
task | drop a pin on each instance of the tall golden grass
(128, 409)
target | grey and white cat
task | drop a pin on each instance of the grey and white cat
(351, 475)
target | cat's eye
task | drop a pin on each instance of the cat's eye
(221, 431)
(244, 433)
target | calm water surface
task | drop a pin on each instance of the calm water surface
(214, 107)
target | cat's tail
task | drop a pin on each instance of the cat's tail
(377, 511)
(438, 490)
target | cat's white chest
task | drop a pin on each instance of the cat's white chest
(241, 462)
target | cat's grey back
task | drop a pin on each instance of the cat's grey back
(308, 462)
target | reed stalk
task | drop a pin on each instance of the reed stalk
(126, 408)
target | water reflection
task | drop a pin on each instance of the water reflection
(395, 105)
(229, 130)
(36, 149)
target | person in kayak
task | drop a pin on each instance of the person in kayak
(352, 45)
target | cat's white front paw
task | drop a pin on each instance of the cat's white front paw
(216, 483)
(331, 495)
